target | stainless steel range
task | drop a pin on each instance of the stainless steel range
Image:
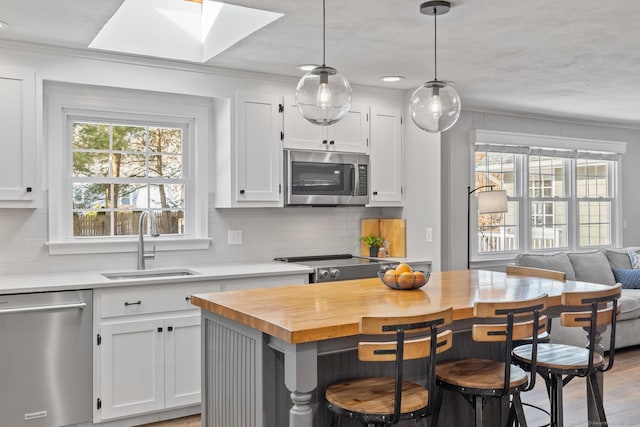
(330, 268)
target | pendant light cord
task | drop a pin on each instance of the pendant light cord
(323, 33)
(435, 44)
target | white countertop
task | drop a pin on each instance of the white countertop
(46, 282)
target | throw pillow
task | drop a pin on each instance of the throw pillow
(635, 259)
(630, 279)
(558, 262)
(592, 267)
(618, 258)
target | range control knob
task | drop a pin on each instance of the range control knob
(335, 273)
(324, 274)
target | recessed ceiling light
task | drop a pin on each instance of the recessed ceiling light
(391, 78)
(3, 25)
(307, 67)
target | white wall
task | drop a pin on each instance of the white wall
(456, 157)
(267, 233)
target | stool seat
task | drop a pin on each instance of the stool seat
(376, 396)
(558, 358)
(484, 374)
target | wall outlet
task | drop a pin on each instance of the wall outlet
(429, 235)
(234, 237)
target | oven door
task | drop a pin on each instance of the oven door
(321, 178)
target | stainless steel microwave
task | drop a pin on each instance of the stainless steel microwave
(319, 178)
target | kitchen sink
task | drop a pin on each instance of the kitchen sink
(148, 274)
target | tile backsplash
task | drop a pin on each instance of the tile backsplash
(266, 233)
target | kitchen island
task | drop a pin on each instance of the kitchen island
(244, 331)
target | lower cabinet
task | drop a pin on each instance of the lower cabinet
(150, 365)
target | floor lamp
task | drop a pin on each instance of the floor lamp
(488, 202)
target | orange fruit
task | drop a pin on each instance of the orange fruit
(405, 280)
(402, 268)
(390, 277)
(419, 277)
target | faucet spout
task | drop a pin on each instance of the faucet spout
(142, 255)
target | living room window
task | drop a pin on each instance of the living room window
(562, 194)
(116, 153)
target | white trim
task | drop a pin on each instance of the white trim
(67, 100)
(547, 141)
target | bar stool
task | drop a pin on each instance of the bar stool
(479, 380)
(559, 363)
(382, 401)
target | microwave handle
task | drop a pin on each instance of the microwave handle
(355, 184)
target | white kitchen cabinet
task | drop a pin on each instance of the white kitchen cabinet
(385, 157)
(182, 361)
(351, 134)
(18, 179)
(259, 149)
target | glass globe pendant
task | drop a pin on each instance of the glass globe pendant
(323, 96)
(435, 105)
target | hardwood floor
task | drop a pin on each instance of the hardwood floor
(622, 392)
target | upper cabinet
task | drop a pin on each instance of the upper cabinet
(18, 186)
(249, 172)
(351, 134)
(385, 159)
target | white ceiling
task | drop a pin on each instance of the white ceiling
(571, 58)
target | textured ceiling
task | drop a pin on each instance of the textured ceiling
(572, 58)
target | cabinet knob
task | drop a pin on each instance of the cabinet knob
(324, 141)
(375, 193)
(169, 328)
(331, 142)
(159, 329)
(29, 189)
(241, 191)
(188, 299)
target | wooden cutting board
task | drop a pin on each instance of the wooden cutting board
(393, 230)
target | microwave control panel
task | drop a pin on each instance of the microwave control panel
(362, 180)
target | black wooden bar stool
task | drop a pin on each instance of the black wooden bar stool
(559, 363)
(382, 401)
(479, 380)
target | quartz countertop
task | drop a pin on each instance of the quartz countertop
(46, 282)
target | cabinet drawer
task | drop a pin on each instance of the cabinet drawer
(150, 299)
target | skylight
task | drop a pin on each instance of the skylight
(178, 29)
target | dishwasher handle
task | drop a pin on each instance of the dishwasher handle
(36, 308)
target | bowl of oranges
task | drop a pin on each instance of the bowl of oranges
(403, 277)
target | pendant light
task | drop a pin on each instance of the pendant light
(323, 96)
(435, 105)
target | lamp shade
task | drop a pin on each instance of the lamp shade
(492, 202)
(323, 96)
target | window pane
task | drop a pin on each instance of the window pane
(129, 165)
(499, 232)
(91, 163)
(129, 138)
(167, 196)
(92, 136)
(594, 223)
(592, 178)
(91, 224)
(165, 166)
(546, 176)
(91, 196)
(548, 225)
(171, 222)
(497, 169)
(165, 140)
(131, 196)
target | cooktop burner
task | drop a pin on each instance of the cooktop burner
(329, 268)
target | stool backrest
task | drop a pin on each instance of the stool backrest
(602, 310)
(431, 341)
(523, 321)
(519, 270)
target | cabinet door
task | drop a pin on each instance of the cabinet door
(351, 134)
(259, 148)
(132, 374)
(386, 157)
(300, 133)
(17, 121)
(182, 361)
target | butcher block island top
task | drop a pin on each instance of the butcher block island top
(316, 312)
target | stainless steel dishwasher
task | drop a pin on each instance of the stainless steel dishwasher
(45, 359)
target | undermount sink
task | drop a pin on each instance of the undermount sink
(146, 274)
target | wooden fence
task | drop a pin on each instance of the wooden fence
(126, 223)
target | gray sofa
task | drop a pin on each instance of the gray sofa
(602, 266)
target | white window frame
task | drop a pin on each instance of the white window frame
(64, 103)
(521, 143)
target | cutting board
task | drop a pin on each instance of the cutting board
(393, 230)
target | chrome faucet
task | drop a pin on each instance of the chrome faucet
(142, 255)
